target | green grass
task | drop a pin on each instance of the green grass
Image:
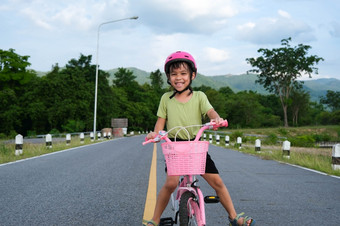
(7, 151)
(315, 161)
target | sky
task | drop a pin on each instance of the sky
(220, 34)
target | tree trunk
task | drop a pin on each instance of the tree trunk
(285, 115)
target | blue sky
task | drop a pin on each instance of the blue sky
(220, 34)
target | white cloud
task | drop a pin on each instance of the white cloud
(216, 55)
(273, 30)
(284, 14)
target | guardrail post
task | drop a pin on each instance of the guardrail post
(99, 135)
(19, 142)
(286, 149)
(227, 139)
(217, 139)
(48, 141)
(81, 136)
(204, 137)
(336, 157)
(210, 138)
(257, 145)
(92, 136)
(68, 139)
(239, 142)
(104, 135)
(109, 135)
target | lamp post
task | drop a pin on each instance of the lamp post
(96, 85)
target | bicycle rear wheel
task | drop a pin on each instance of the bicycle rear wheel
(189, 213)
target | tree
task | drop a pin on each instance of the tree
(279, 69)
(156, 80)
(332, 100)
(300, 103)
(13, 70)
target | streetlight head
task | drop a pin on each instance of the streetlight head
(134, 18)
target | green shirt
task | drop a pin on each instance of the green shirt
(183, 114)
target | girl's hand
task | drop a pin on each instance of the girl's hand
(151, 135)
(217, 120)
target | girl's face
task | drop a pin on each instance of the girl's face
(179, 77)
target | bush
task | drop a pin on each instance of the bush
(302, 141)
(3, 136)
(282, 131)
(54, 132)
(271, 139)
(31, 133)
(236, 134)
(322, 137)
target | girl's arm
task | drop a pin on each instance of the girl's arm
(158, 127)
(214, 116)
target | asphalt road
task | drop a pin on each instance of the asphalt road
(106, 184)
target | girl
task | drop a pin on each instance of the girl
(184, 107)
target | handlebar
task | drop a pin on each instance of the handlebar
(163, 135)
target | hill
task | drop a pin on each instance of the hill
(237, 83)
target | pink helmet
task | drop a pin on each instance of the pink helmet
(180, 56)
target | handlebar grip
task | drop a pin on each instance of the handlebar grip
(224, 123)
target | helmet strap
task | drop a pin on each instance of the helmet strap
(179, 92)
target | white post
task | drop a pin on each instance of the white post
(92, 136)
(109, 135)
(68, 139)
(104, 135)
(227, 139)
(239, 142)
(286, 149)
(217, 139)
(204, 137)
(210, 138)
(19, 142)
(99, 136)
(257, 145)
(49, 141)
(336, 157)
(81, 136)
(125, 131)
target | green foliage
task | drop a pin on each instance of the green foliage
(54, 132)
(322, 137)
(279, 68)
(332, 100)
(73, 126)
(63, 100)
(282, 131)
(302, 141)
(271, 139)
(235, 135)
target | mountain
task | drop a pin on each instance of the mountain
(237, 83)
(316, 88)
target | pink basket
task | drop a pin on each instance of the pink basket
(185, 157)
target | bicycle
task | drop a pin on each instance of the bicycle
(187, 159)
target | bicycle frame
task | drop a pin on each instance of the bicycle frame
(188, 184)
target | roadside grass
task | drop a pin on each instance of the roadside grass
(304, 150)
(7, 151)
(316, 160)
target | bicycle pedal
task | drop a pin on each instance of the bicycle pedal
(167, 221)
(211, 199)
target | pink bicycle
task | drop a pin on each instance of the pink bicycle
(187, 159)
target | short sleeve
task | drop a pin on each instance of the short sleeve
(204, 103)
(162, 108)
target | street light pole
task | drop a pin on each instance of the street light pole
(96, 85)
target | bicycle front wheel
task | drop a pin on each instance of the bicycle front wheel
(189, 212)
